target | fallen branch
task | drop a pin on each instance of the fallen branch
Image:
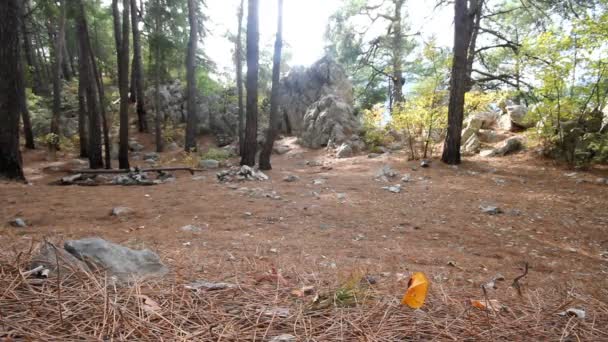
(158, 169)
(516, 280)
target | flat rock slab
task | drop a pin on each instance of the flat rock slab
(124, 263)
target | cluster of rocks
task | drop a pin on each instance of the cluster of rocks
(121, 263)
(317, 106)
(243, 173)
(136, 177)
(489, 128)
(216, 115)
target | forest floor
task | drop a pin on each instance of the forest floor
(351, 240)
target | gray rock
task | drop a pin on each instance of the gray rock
(329, 120)
(490, 209)
(511, 145)
(173, 147)
(319, 181)
(490, 136)
(284, 338)
(191, 228)
(122, 262)
(291, 178)
(471, 146)
(385, 173)
(302, 94)
(394, 188)
(18, 222)
(406, 178)
(373, 155)
(50, 257)
(209, 164)
(152, 156)
(425, 163)
(121, 211)
(281, 149)
(135, 146)
(344, 151)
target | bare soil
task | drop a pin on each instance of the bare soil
(349, 227)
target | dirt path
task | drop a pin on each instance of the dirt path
(324, 232)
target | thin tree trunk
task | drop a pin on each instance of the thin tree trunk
(25, 112)
(89, 86)
(274, 121)
(158, 117)
(32, 61)
(58, 51)
(191, 79)
(138, 71)
(82, 111)
(398, 53)
(132, 85)
(65, 65)
(253, 63)
(121, 35)
(10, 156)
(458, 83)
(239, 77)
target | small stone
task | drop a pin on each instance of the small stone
(191, 228)
(394, 189)
(280, 150)
(209, 164)
(319, 181)
(284, 338)
(490, 210)
(291, 179)
(344, 151)
(341, 196)
(18, 223)
(121, 211)
(406, 178)
(135, 146)
(425, 163)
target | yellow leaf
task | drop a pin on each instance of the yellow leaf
(483, 304)
(416, 292)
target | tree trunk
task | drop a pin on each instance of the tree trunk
(65, 65)
(121, 35)
(398, 80)
(25, 112)
(138, 71)
(191, 79)
(239, 77)
(10, 156)
(30, 57)
(82, 111)
(86, 73)
(58, 52)
(158, 117)
(458, 83)
(253, 54)
(274, 121)
(132, 85)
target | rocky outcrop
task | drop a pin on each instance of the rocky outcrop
(216, 116)
(317, 105)
(516, 119)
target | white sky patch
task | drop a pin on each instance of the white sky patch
(305, 22)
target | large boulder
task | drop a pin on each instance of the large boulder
(516, 119)
(122, 262)
(511, 145)
(317, 104)
(329, 120)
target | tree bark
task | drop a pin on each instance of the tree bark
(89, 85)
(58, 52)
(25, 112)
(192, 119)
(398, 80)
(458, 82)
(30, 56)
(138, 72)
(121, 35)
(239, 77)
(253, 55)
(273, 126)
(10, 156)
(82, 110)
(158, 117)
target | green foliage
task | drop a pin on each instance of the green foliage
(216, 154)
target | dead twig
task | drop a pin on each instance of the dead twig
(517, 279)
